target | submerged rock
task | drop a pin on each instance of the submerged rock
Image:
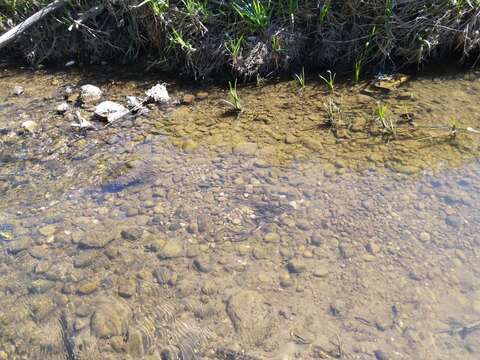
(97, 240)
(110, 111)
(158, 94)
(90, 93)
(110, 319)
(30, 126)
(250, 316)
(172, 249)
(62, 108)
(18, 90)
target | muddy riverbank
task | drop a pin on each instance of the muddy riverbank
(193, 233)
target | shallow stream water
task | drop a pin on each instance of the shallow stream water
(299, 229)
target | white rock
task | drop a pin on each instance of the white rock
(110, 110)
(158, 94)
(30, 126)
(134, 102)
(18, 90)
(90, 93)
(83, 124)
(62, 108)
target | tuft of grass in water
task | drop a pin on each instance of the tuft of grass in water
(260, 80)
(453, 128)
(386, 122)
(329, 81)
(234, 97)
(333, 114)
(300, 79)
(256, 13)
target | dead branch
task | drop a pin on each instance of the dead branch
(16, 31)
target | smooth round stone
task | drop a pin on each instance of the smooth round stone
(321, 270)
(189, 145)
(47, 230)
(424, 236)
(172, 249)
(42, 267)
(245, 148)
(454, 221)
(307, 254)
(88, 287)
(271, 237)
(285, 280)
(296, 266)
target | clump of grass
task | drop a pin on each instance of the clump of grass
(385, 121)
(177, 39)
(333, 115)
(158, 6)
(291, 7)
(196, 7)
(256, 13)
(234, 46)
(324, 10)
(453, 128)
(321, 33)
(300, 79)
(329, 81)
(234, 98)
(276, 46)
(359, 61)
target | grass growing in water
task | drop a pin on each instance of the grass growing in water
(385, 121)
(234, 97)
(330, 81)
(300, 79)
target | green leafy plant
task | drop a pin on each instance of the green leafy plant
(234, 98)
(358, 64)
(158, 6)
(290, 8)
(357, 68)
(196, 7)
(324, 10)
(176, 38)
(386, 122)
(300, 79)
(276, 44)
(234, 46)
(329, 81)
(256, 13)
